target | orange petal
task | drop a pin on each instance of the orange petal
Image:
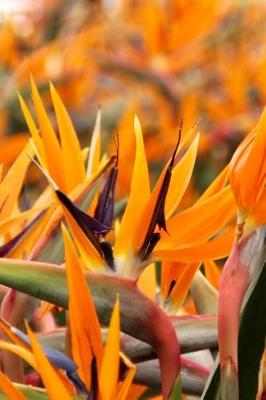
(216, 186)
(248, 168)
(199, 222)
(74, 169)
(182, 285)
(9, 223)
(12, 183)
(95, 147)
(84, 325)
(19, 351)
(51, 145)
(89, 254)
(212, 273)
(139, 195)
(147, 281)
(124, 387)
(180, 179)
(33, 129)
(9, 389)
(109, 373)
(215, 249)
(53, 384)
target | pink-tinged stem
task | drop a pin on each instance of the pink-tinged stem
(234, 282)
(13, 310)
(242, 267)
(196, 367)
(164, 341)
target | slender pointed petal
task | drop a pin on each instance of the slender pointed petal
(20, 219)
(248, 170)
(57, 358)
(105, 208)
(85, 330)
(33, 129)
(95, 147)
(6, 248)
(137, 199)
(11, 185)
(180, 179)
(147, 281)
(73, 163)
(154, 213)
(54, 385)
(9, 389)
(216, 248)
(124, 387)
(109, 372)
(26, 355)
(50, 143)
(201, 221)
(212, 272)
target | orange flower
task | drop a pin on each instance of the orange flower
(248, 177)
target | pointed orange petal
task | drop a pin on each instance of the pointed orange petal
(32, 128)
(201, 221)
(9, 389)
(169, 271)
(216, 186)
(212, 272)
(27, 244)
(123, 388)
(89, 254)
(183, 283)
(215, 249)
(139, 195)
(19, 351)
(12, 183)
(18, 220)
(180, 179)
(248, 169)
(95, 147)
(83, 320)
(12, 336)
(49, 139)
(74, 169)
(147, 281)
(53, 384)
(93, 164)
(109, 373)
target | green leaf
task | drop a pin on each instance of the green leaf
(176, 392)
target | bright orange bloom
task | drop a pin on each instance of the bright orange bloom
(248, 176)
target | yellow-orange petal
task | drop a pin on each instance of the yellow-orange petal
(9, 389)
(55, 387)
(212, 272)
(215, 249)
(73, 165)
(180, 178)
(138, 197)
(147, 281)
(95, 147)
(124, 387)
(85, 329)
(12, 183)
(109, 372)
(201, 221)
(49, 139)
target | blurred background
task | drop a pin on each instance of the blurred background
(203, 61)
